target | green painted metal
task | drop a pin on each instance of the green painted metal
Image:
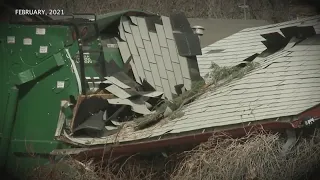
(37, 74)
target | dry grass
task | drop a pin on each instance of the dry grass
(255, 156)
(271, 10)
(258, 155)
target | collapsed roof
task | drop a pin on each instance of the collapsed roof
(280, 89)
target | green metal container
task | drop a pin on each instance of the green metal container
(39, 69)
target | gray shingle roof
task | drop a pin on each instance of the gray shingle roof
(286, 84)
(244, 44)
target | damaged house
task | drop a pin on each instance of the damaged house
(269, 78)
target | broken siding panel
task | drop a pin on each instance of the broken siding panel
(121, 32)
(136, 36)
(184, 67)
(149, 50)
(144, 59)
(143, 28)
(149, 78)
(155, 73)
(187, 83)
(161, 35)
(173, 51)
(177, 73)
(126, 25)
(167, 27)
(166, 88)
(172, 81)
(139, 67)
(134, 20)
(166, 58)
(131, 44)
(161, 67)
(135, 72)
(124, 51)
(155, 43)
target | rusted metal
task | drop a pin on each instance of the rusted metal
(148, 146)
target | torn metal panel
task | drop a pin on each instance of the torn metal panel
(137, 105)
(121, 93)
(92, 126)
(151, 94)
(85, 107)
(122, 80)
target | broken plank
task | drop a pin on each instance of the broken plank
(124, 51)
(155, 74)
(161, 67)
(173, 50)
(149, 78)
(121, 93)
(172, 81)
(135, 72)
(143, 28)
(177, 73)
(161, 35)
(166, 88)
(166, 58)
(131, 44)
(155, 43)
(149, 50)
(138, 63)
(137, 105)
(136, 36)
(117, 82)
(144, 59)
(167, 27)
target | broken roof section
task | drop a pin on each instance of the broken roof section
(284, 85)
(232, 50)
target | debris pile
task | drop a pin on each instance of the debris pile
(160, 64)
(117, 100)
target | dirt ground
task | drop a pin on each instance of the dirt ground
(216, 29)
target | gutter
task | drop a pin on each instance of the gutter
(117, 150)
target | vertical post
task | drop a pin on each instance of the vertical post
(245, 9)
(244, 6)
